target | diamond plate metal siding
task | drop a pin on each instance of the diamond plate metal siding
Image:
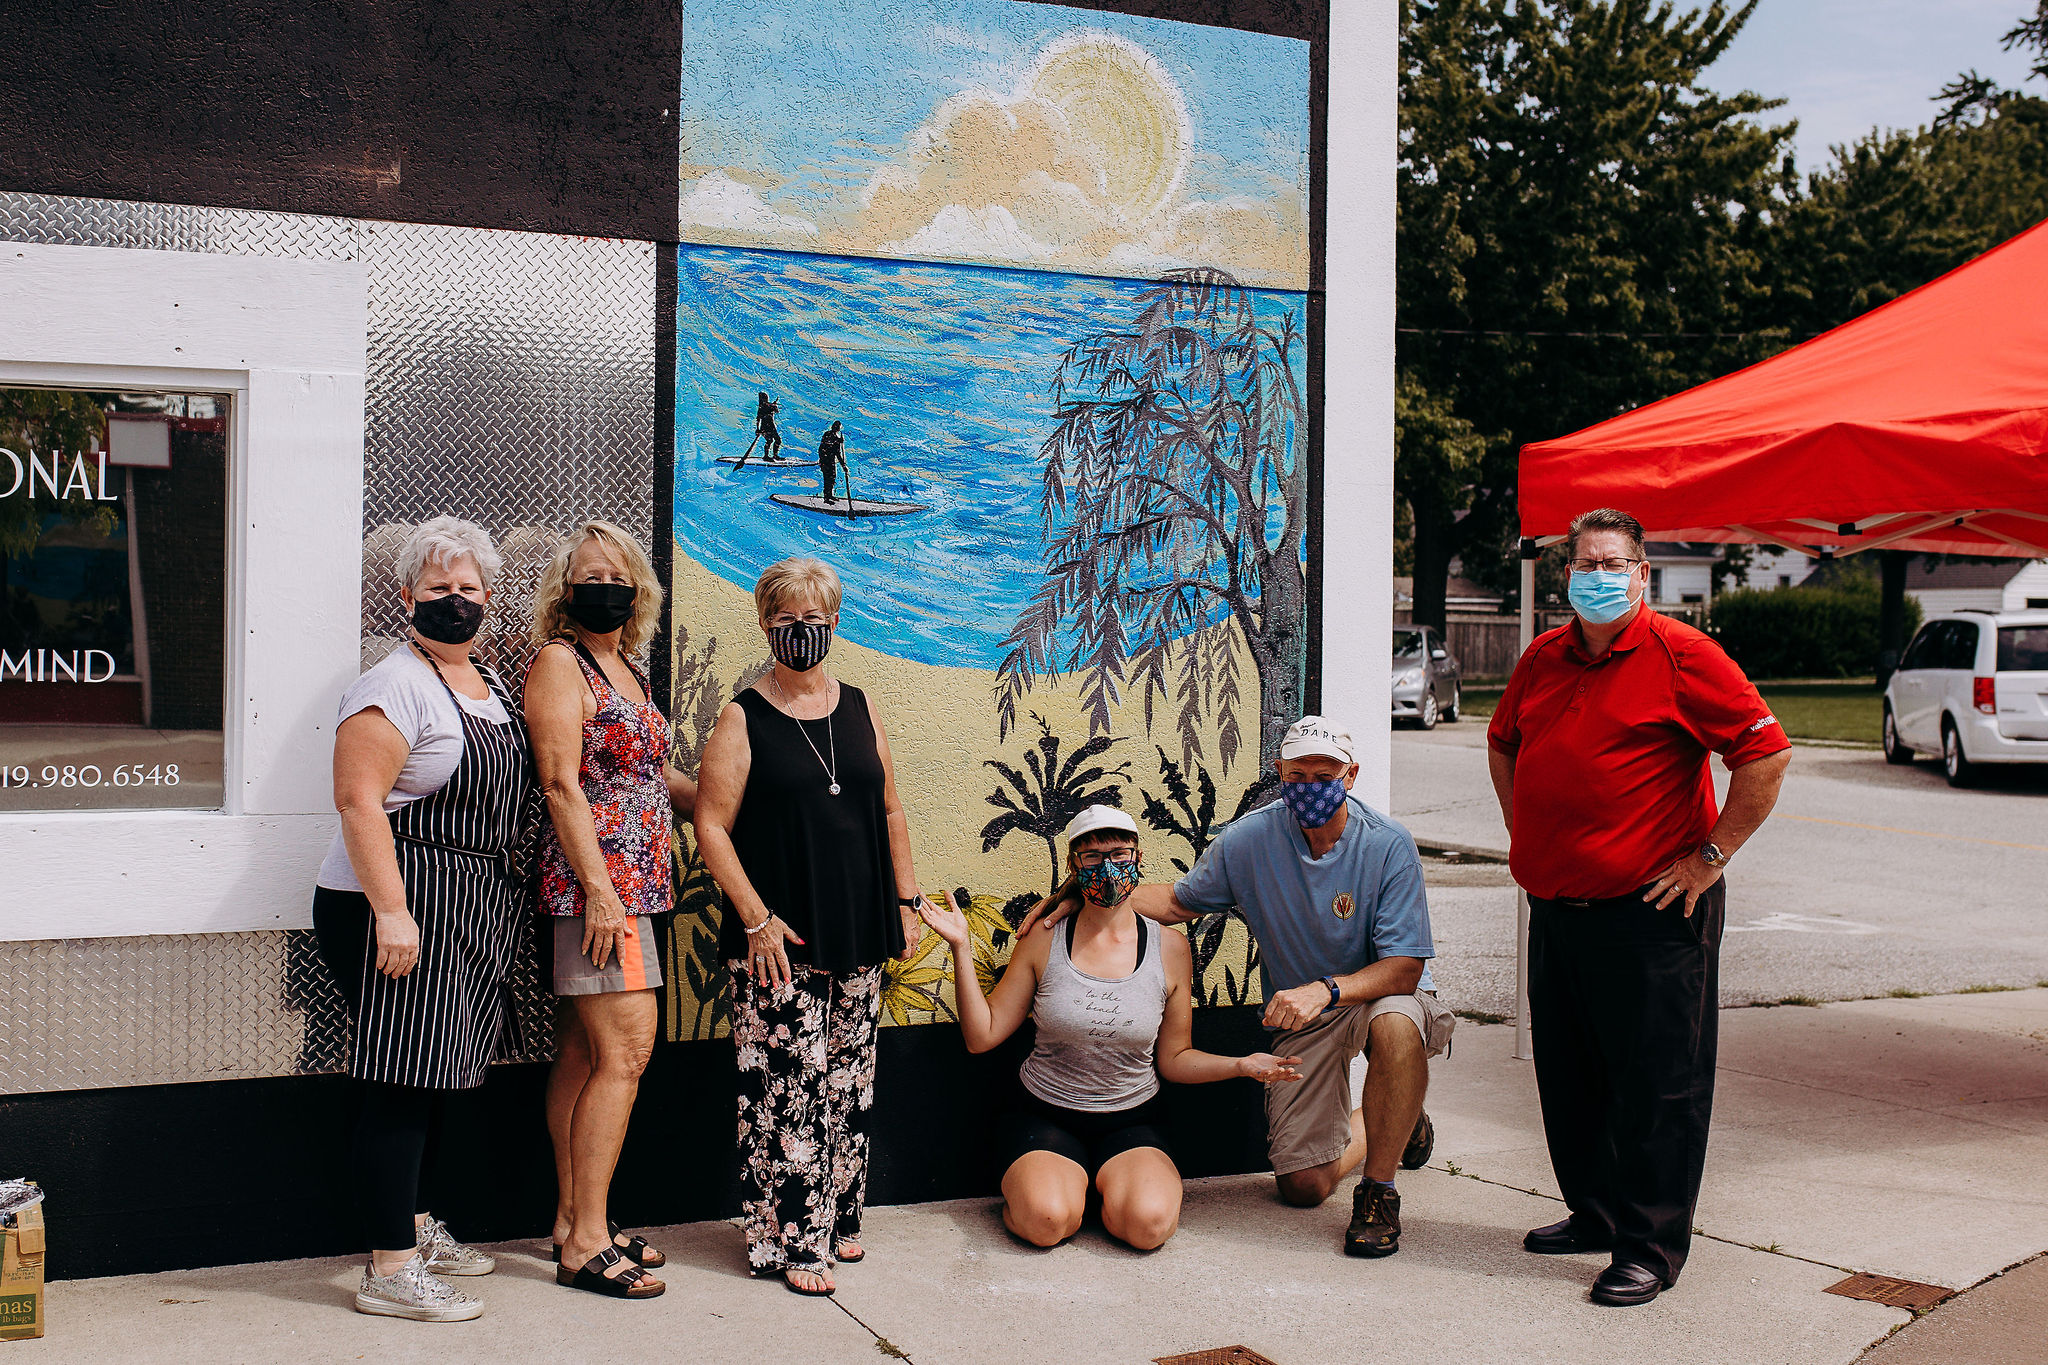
(511, 380)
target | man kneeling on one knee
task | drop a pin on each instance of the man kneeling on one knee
(1332, 890)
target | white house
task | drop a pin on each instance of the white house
(1681, 574)
(2001, 585)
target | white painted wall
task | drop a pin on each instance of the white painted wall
(287, 339)
(1765, 568)
(1358, 377)
(1934, 601)
(2030, 582)
(1676, 580)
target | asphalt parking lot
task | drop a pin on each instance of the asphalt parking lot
(1868, 880)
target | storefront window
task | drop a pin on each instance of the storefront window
(113, 549)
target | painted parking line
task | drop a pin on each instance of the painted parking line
(1789, 923)
(1921, 833)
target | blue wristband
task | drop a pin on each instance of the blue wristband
(1335, 994)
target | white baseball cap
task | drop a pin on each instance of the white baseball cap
(1315, 735)
(1100, 817)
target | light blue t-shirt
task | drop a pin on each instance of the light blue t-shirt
(1316, 917)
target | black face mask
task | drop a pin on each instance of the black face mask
(800, 645)
(450, 620)
(600, 608)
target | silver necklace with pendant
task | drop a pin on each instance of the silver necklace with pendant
(832, 768)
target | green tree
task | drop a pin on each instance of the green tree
(1581, 230)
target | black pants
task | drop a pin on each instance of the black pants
(396, 1124)
(1624, 1013)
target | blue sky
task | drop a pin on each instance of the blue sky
(997, 132)
(1849, 65)
(895, 61)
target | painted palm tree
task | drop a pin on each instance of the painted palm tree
(1174, 499)
(1050, 791)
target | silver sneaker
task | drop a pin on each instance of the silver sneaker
(446, 1256)
(414, 1293)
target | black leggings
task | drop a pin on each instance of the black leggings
(397, 1124)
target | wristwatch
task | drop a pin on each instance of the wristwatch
(1712, 856)
(1335, 994)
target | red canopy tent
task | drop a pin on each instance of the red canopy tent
(1922, 425)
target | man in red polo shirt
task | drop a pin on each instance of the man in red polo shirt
(1599, 753)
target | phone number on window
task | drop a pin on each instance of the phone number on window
(88, 775)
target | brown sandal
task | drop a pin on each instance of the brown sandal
(630, 1283)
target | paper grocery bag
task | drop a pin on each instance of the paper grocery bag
(21, 1276)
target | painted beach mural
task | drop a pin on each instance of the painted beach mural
(999, 312)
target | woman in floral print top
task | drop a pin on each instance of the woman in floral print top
(601, 745)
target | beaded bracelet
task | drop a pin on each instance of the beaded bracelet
(762, 926)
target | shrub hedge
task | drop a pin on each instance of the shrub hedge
(1817, 632)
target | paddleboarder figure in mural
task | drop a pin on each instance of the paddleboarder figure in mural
(831, 458)
(765, 409)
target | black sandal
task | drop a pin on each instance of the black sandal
(635, 1250)
(627, 1284)
(793, 1287)
(860, 1253)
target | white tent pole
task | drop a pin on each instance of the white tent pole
(1522, 1047)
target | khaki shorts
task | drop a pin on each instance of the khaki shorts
(634, 964)
(1308, 1122)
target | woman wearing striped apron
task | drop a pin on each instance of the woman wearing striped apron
(417, 911)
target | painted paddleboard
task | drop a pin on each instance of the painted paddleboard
(780, 462)
(840, 507)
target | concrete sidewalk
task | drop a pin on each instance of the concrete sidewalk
(1906, 1137)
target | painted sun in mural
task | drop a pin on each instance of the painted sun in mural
(996, 132)
(1121, 105)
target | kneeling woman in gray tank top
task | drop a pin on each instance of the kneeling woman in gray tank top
(1110, 993)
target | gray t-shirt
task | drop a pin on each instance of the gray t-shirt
(1316, 917)
(1096, 1038)
(413, 699)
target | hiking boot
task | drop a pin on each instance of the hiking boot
(446, 1256)
(414, 1293)
(1421, 1143)
(1375, 1221)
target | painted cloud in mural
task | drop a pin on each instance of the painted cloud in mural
(1001, 133)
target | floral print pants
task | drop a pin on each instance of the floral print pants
(807, 1081)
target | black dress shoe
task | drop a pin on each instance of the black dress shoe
(1624, 1285)
(1562, 1238)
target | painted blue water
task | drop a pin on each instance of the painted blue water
(942, 376)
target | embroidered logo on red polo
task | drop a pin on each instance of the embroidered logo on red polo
(1767, 720)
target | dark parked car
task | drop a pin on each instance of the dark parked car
(1425, 677)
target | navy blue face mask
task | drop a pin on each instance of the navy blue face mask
(1314, 804)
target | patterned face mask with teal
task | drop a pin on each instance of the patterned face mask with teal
(1314, 804)
(1107, 884)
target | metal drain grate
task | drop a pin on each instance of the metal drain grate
(1908, 1294)
(1219, 1355)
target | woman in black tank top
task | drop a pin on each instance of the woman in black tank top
(799, 823)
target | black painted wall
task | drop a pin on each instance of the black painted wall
(541, 115)
(171, 1176)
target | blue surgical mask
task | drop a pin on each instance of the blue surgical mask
(1601, 597)
(1314, 804)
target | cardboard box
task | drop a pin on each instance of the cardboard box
(21, 1275)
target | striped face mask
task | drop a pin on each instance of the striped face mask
(800, 645)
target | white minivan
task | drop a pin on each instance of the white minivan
(1972, 687)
